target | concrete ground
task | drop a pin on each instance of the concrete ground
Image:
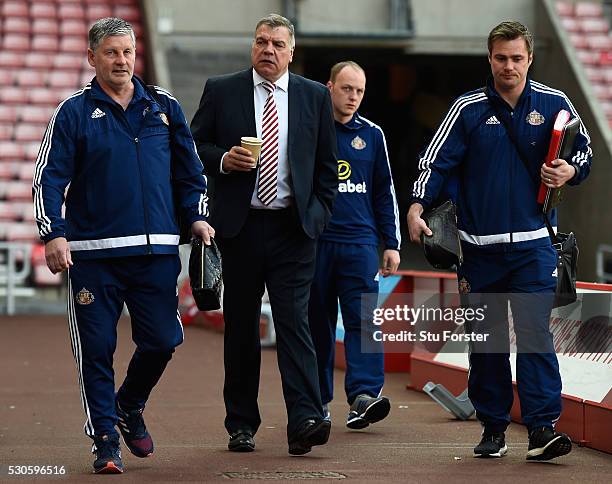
(41, 424)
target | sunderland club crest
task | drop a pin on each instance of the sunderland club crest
(464, 286)
(84, 297)
(535, 119)
(358, 143)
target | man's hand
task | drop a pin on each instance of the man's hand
(391, 260)
(57, 255)
(238, 159)
(202, 230)
(416, 225)
(557, 175)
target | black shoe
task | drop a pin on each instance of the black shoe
(545, 444)
(134, 431)
(312, 432)
(108, 455)
(366, 410)
(492, 444)
(241, 441)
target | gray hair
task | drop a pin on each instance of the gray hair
(275, 20)
(109, 26)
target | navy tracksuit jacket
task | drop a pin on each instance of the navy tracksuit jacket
(365, 215)
(506, 245)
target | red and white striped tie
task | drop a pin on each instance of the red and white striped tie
(268, 161)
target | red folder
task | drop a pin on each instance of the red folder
(561, 144)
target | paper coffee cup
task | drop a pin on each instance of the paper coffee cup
(253, 145)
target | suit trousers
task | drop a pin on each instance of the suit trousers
(271, 249)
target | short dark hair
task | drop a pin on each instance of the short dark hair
(109, 26)
(336, 68)
(510, 31)
(274, 20)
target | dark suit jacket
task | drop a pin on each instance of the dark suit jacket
(227, 113)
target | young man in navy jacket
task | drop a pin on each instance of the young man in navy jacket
(506, 245)
(128, 157)
(365, 214)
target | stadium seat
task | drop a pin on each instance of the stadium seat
(8, 171)
(14, 9)
(31, 78)
(605, 58)
(68, 61)
(8, 114)
(11, 59)
(43, 10)
(31, 150)
(71, 11)
(75, 28)
(73, 44)
(565, 9)
(22, 232)
(127, 12)
(8, 212)
(599, 42)
(39, 60)
(595, 74)
(13, 95)
(25, 210)
(98, 10)
(593, 25)
(42, 96)
(570, 24)
(29, 132)
(18, 190)
(587, 57)
(64, 79)
(45, 26)
(26, 172)
(45, 43)
(588, 9)
(6, 132)
(34, 114)
(7, 77)
(12, 151)
(16, 25)
(600, 90)
(16, 42)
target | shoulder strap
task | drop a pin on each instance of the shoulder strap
(521, 154)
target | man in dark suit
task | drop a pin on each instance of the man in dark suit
(268, 214)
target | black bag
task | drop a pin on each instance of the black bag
(567, 268)
(566, 245)
(443, 248)
(205, 274)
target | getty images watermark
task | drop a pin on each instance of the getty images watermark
(486, 323)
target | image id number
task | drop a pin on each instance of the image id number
(36, 470)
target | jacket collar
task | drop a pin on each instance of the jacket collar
(139, 91)
(526, 94)
(354, 124)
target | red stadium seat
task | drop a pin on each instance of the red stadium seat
(127, 12)
(587, 57)
(588, 9)
(6, 132)
(607, 108)
(599, 42)
(71, 11)
(7, 77)
(64, 79)
(12, 151)
(39, 60)
(600, 90)
(565, 9)
(31, 78)
(570, 24)
(73, 44)
(42, 96)
(98, 10)
(18, 190)
(14, 9)
(16, 25)
(594, 25)
(29, 132)
(605, 58)
(22, 232)
(43, 10)
(8, 114)
(31, 150)
(35, 114)
(9, 170)
(11, 59)
(579, 41)
(75, 28)
(8, 213)
(24, 210)
(595, 74)
(45, 26)
(16, 42)
(13, 95)
(45, 43)
(69, 61)
(26, 171)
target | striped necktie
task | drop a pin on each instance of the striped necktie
(268, 161)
